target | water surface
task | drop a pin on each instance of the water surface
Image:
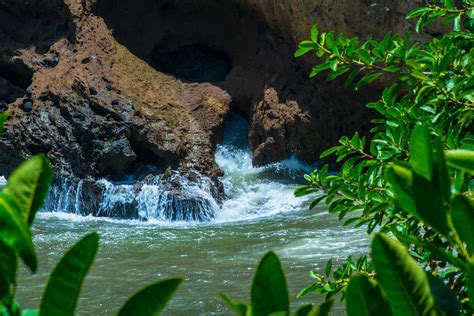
(260, 214)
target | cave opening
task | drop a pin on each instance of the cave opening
(222, 42)
(195, 63)
(15, 78)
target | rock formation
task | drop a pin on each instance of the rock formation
(97, 84)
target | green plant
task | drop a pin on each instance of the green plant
(399, 286)
(432, 85)
(20, 200)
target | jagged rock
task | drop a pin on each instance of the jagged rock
(166, 121)
(114, 156)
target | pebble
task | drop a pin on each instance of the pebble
(115, 102)
(109, 86)
(27, 106)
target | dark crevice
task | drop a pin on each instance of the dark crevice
(15, 78)
(195, 63)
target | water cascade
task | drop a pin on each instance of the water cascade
(151, 196)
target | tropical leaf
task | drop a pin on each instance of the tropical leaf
(239, 308)
(404, 283)
(462, 214)
(28, 185)
(15, 232)
(461, 159)
(8, 268)
(364, 298)
(64, 285)
(152, 299)
(269, 292)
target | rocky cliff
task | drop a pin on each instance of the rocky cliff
(105, 87)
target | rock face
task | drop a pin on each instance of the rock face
(85, 81)
(96, 109)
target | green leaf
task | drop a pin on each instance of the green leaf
(28, 185)
(328, 267)
(8, 268)
(269, 290)
(417, 12)
(152, 299)
(30, 312)
(366, 80)
(303, 311)
(3, 118)
(304, 190)
(462, 214)
(364, 56)
(470, 284)
(461, 159)
(457, 23)
(15, 232)
(329, 152)
(324, 309)
(316, 201)
(239, 308)
(316, 70)
(314, 33)
(421, 157)
(64, 285)
(401, 179)
(402, 280)
(364, 298)
(449, 4)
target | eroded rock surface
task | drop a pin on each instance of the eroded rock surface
(85, 81)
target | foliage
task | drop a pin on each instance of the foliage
(20, 200)
(399, 285)
(393, 183)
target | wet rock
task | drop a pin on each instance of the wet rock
(115, 156)
(27, 106)
(109, 86)
(3, 106)
(115, 102)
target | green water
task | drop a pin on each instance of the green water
(212, 257)
(259, 214)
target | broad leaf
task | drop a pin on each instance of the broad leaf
(15, 232)
(239, 308)
(304, 311)
(30, 312)
(461, 159)
(404, 283)
(470, 284)
(64, 285)
(324, 309)
(462, 214)
(8, 268)
(364, 298)
(269, 292)
(421, 158)
(152, 299)
(29, 184)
